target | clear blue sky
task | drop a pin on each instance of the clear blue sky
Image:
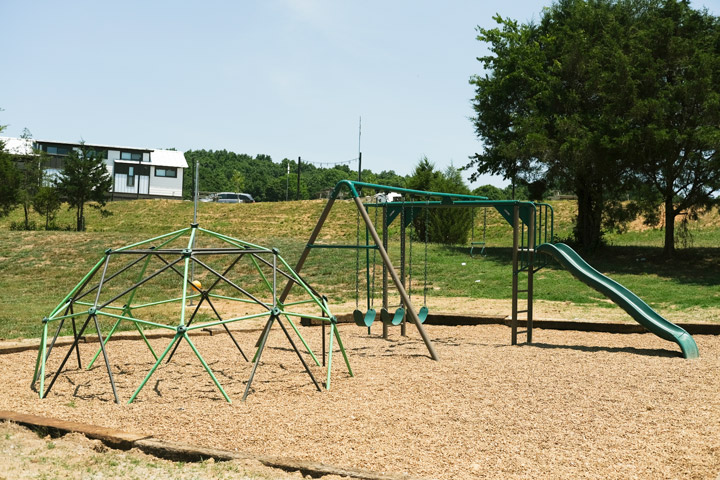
(286, 78)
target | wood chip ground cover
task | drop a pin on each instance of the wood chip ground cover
(572, 405)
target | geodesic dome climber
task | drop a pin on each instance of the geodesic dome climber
(163, 282)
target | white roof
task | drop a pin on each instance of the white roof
(168, 158)
(18, 146)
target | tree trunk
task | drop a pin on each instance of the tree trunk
(588, 232)
(669, 247)
(27, 221)
(80, 217)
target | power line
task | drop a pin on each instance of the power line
(330, 164)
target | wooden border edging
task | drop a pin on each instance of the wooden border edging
(454, 320)
(178, 451)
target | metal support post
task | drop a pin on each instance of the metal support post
(396, 279)
(515, 273)
(385, 270)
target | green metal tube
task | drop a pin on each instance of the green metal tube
(243, 300)
(147, 342)
(300, 302)
(152, 370)
(105, 340)
(63, 303)
(132, 319)
(43, 344)
(329, 362)
(90, 304)
(184, 287)
(267, 282)
(207, 368)
(307, 347)
(195, 326)
(233, 241)
(161, 302)
(350, 184)
(304, 286)
(176, 232)
(342, 349)
(307, 315)
(39, 355)
(66, 316)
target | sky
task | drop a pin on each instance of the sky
(285, 78)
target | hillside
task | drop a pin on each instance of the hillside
(38, 268)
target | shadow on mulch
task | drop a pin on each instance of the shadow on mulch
(649, 352)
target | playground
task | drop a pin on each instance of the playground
(572, 405)
(408, 397)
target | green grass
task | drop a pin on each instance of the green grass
(37, 269)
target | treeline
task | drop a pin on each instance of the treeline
(612, 100)
(268, 181)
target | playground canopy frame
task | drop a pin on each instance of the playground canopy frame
(529, 220)
(266, 262)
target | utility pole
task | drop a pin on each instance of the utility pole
(287, 181)
(359, 150)
(297, 197)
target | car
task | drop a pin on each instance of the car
(234, 197)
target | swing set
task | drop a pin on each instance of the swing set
(387, 315)
(530, 222)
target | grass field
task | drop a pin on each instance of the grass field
(38, 268)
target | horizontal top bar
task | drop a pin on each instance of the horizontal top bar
(194, 251)
(350, 184)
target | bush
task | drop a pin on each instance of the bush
(20, 226)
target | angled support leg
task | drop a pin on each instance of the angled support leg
(258, 354)
(307, 369)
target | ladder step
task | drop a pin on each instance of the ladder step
(522, 311)
(523, 291)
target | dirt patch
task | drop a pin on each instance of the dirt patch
(573, 405)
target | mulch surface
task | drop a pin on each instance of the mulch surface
(572, 405)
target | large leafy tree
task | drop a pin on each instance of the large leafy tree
(84, 178)
(676, 116)
(550, 107)
(602, 97)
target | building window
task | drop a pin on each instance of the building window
(131, 177)
(132, 156)
(56, 149)
(166, 172)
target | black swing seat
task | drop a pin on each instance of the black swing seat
(394, 319)
(364, 319)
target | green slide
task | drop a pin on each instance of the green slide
(628, 301)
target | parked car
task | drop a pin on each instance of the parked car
(234, 197)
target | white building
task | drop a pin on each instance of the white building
(136, 172)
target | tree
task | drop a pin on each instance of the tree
(441, 225)
(47, 202)
(237, 181)
(31, 172)
(9, 180)
(554, 101)
(677, 113)
(84, 178)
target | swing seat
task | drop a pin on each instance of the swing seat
(422, 314)
(394, 319)
(477, 244)
(364, 319)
